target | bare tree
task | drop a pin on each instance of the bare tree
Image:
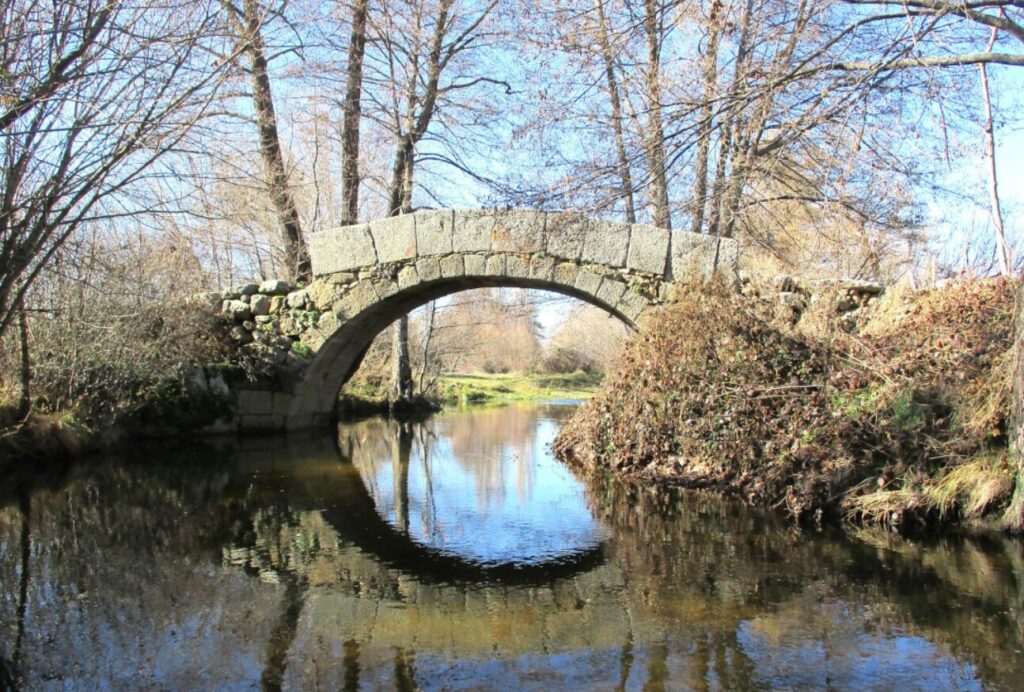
(250, 19)
(25, 395)
(709, 77)
(409, 128)
(926, 39)
(95, 95)
(426, 341)
(416, 44)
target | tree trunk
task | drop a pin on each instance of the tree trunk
(396, 190)
(407, 179)
(655, 129)
(399, 202)
(706, 127)
(25, 396)
(296, 255)
(401, 369)
(428, 335)
(1015, 513)
(1002, 250)
(721, 168)
(616, 103)
(409, 131)
(352, 115)
(731, 202)
(400, 196)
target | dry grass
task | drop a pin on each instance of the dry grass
(972, 489)
(967, 491)
(902, 424)
(891, 509)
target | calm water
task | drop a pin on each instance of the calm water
(457, 554)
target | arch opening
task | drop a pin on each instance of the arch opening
(343, 350)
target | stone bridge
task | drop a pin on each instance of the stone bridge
(369, 275)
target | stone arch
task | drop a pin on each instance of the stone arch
(368, 275)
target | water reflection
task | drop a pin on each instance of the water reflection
(482, 487)
(301, 566)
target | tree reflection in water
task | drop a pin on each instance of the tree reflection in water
(304, 565)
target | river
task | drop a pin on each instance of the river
(457, 553)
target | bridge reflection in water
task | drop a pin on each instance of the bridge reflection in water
(389, 557)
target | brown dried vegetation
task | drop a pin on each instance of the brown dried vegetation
(901, 424)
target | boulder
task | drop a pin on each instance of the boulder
(275, 287)
(197, 379)
(260, 304)
(791, 299)
(217, 385)
(246, 289)
(784, 284)
(236, 310)
(846, 304)
(297, 299)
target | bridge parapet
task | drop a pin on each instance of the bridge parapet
(561, 236)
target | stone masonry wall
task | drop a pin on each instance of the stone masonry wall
(368, 275)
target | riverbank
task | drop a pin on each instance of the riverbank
(169, 407)
(464, 390)
(48, 438)
(902, 423)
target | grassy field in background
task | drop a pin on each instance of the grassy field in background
(484, 388)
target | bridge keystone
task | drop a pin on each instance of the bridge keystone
(496, 265)
(472, 232)
(518, 231)
(452, 266)
(476, 265)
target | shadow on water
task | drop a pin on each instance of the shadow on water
(399, 556)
